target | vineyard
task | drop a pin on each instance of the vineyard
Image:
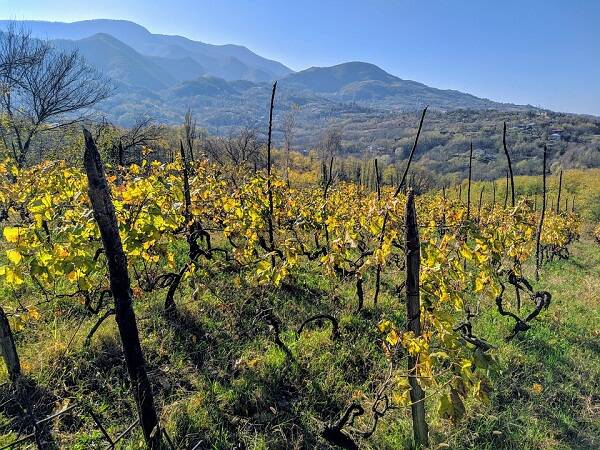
(271, 314)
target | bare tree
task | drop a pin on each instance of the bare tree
(18, 52)
(330, 143)
(42, 89)
(289, 129)
(240, 148)
(189, 132)
(420, 181)
(142, 134)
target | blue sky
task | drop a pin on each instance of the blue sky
(542, 52)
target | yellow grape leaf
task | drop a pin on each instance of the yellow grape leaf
(445, 296)
(34, 314)
(384, 325)
(12, 277)
(11, 234)
(14, 256)
(401, 391)
(263, 266)
(480, 284)
(392, 338)
(401, 398)
(466, 253)
(72, 276)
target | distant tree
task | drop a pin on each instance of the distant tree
(190, 133)
(289, 128)
(42, 89)
(239, 148)
(143, 133)
(330, 143)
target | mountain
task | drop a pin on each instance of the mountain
(334, 78)
(368, 84)
(230, 62)
(123, 64)
(119, 61)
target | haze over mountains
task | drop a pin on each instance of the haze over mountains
(231, 62)
(228, 85)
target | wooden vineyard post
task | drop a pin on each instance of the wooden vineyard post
(510, 171)
(378, 270)
(541, 223)
(469, 184)
(120, 286)
(8, 348)
(479, 204)
(506, 191)
(269, 182)
(559, 192)
(413, 313)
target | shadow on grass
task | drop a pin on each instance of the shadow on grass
(23, 405)
(558, 413)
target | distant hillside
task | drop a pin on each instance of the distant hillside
(366, 83)
(120, 62)
(231, 62)
(334, 78)
(204, 86)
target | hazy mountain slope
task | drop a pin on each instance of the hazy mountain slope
(332, 79)
(204, 86)
(226, 61)
(368, 84)
(119, 61)
(180, 69)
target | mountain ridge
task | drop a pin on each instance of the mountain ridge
(229, 61)
(162, 76)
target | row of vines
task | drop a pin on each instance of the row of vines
(178, 221)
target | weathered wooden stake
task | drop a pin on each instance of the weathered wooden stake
(541, 223)
(512, 180)
(398, 189)
(120, 286)
(506, 191)
(479, 205)
(8, 348)
(377, 180)
(412, 153)
(559, 191)
(269, 183)
(413, 313)
(469, 184)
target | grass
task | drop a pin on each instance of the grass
(220, 379)
(561, 354)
